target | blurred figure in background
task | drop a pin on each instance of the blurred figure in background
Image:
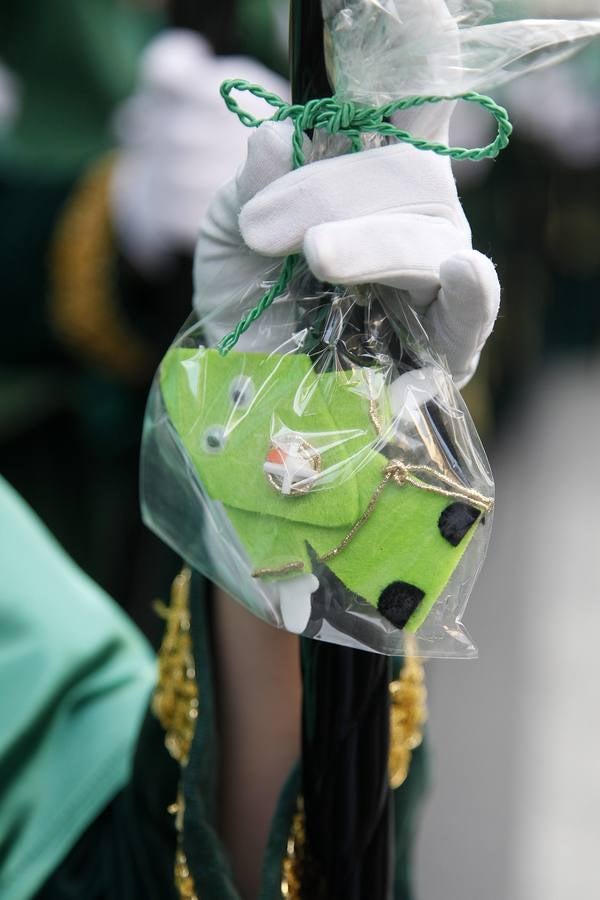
(98, 279)
(98, 226)
(516, 787)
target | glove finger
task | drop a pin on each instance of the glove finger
(180, 65)
(402, 250)
(388, 179)
(269, 159)
(461, 319)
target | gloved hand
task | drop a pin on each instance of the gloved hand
(178, 144)
(389, 215)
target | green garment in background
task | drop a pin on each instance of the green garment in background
(262, 31)
(128, 852)
(74, 60)
(205, 852)
(75, 676)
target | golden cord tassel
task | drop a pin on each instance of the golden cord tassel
(175, 704)
(175, 701)
(408, 713)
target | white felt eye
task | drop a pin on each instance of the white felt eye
(241, 391)
(213, 439)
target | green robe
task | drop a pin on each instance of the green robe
(128, 852)
(75, 676)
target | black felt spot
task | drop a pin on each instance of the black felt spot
(334, 603)
(456, 520)
(398, 601)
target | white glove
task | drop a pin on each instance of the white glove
(9, 97)
(178, 144)
(389, 215)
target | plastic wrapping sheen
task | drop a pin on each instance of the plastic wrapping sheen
(326, 472)
(336, 486)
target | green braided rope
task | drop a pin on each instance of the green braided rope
(228, 342)
(352, 120)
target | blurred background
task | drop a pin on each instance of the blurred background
(112, 141)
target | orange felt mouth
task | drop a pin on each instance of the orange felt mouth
(276, 456)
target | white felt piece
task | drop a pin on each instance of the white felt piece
(385, 180)
(414, 389)
(403, 249)
(294, 601)
(462, 318)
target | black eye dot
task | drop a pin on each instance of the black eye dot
(214, 439)
(241, 391)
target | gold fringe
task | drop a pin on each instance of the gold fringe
(292, 868)
(408, 713)
(175, 704)
(175, 701)
(184, 881)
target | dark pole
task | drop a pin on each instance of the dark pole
(345, 716)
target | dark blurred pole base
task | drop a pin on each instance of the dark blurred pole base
(347, 799)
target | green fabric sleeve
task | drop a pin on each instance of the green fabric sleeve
(75, 675)
(127, 853)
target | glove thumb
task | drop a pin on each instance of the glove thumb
(461, 319)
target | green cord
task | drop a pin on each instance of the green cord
(352, 120)
(228, 342)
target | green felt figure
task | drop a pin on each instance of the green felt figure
(310, 472)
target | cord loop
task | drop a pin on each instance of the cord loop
(352, 120)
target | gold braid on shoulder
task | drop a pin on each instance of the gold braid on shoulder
(83, 308)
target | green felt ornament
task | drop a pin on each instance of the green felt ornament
(311, 475)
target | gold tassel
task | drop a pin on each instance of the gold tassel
(175, 704)
(293, 861)
(408, 713)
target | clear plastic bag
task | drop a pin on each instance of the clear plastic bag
(336, 486)
(381, 50)
(325, 471)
